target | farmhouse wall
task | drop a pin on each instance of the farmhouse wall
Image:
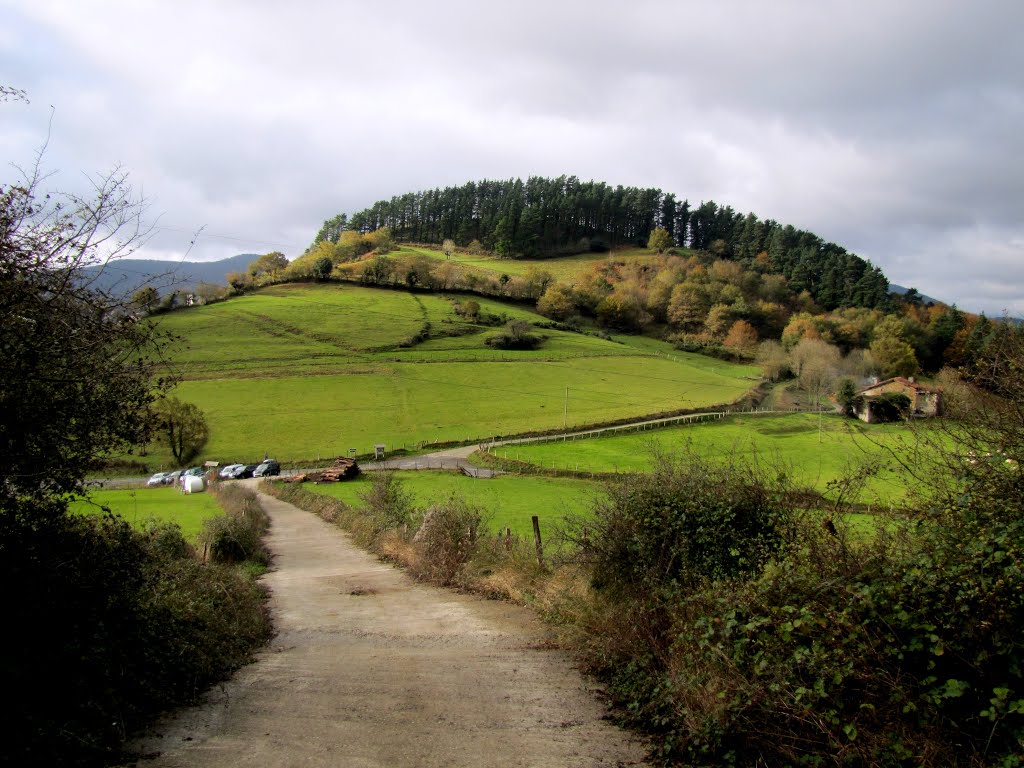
(923, 401)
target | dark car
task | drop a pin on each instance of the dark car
(172, 477)
(244, 471)
(267, 469)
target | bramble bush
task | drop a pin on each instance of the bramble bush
(900, 651)
(688, 521)
(237, 535)
(899, 648)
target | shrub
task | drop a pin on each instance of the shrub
(468, 309)
(110, 626)
(388, 503)
(166, 540)
(446, 539)
(237, 535)
(203, 621)
(687, 522)
(897, 649)
(515, 336)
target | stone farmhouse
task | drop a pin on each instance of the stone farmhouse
(924, 401)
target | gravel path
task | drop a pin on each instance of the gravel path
(373, 669)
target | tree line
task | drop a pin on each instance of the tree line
(547, 217)
(699, 302)
(107, 625)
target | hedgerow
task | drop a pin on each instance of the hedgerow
(108, 626)
(898, 649)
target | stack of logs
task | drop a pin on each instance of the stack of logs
(344, 469)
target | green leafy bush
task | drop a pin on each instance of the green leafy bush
(897, 649)
(900, 651)
(687, 522)
(388, 503)
(515, 336)
(107, 627)
(237, 535)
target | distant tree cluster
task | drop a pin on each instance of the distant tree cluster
(326, 253)
(544, 217)
(702, 302)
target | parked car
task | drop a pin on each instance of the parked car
(195, 471)
(225, 473)
(267, 469)
(170, 478)
(158, 479)
(245, 471)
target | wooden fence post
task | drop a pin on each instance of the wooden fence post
(536, 540)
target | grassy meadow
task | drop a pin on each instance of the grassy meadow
(508, 501)
(511, 500)
(791, 441)
(306, 372)
(163, 504)
(564, 269)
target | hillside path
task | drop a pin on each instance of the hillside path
(372, 669)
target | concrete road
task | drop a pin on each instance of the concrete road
(372, 669)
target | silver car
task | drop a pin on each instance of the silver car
(160, 478)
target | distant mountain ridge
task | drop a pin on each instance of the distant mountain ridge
(899, 290)
(126, 276)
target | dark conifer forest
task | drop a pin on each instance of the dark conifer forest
(544, 217)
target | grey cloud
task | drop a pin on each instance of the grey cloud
(891, 128)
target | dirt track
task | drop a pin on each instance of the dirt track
(372, 669)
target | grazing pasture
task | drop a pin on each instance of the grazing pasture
(790, 441)
(305, 372)
(507, 501)
(163, 504)
(564, 269)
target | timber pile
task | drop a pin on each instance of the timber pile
(344, 469)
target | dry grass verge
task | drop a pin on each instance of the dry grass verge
(444, 545)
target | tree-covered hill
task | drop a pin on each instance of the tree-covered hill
(546, 217)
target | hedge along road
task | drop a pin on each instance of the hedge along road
(370, 668)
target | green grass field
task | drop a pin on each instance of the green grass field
(164, 504)
(789, 440)
(564, 269)
(509, 501)
(305, 372)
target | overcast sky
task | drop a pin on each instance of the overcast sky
(894, 128)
